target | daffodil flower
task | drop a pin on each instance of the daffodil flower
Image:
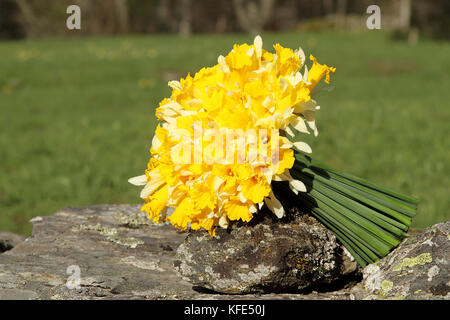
(248, 89)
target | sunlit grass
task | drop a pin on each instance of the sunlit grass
(77, 115)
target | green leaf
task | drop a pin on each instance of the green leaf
(368, 219)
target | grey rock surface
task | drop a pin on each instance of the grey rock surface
(264, 256)
(417, 269)
(120, 255)
(9, 240)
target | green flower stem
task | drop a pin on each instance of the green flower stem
(410, 201)
(366, 230)
(368, 219)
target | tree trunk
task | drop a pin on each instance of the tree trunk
(185, 26)
(31, 22)
(164, 14)
(121, 8)
(341, 10)
(404, 15)
(328, 6)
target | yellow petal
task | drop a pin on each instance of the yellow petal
(236, 210)
(255, 191)
(156, 204)
(317, 72)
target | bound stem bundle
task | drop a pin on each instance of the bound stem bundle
(368, 219)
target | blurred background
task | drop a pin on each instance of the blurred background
(77, 106)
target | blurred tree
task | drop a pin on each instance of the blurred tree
(341, 11)
(405, 14)
(10, 25)
(177, 15)
(253, 14)
(432, 17)
(28, 16)
(164, 14)
(121, 7)
(185, 25)
(328, 6)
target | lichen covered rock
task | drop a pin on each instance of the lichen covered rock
(417, 269)
(120, 255)
(264, 256)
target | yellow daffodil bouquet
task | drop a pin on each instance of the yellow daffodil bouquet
(230, 135)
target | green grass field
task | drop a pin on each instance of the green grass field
(77, 115)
